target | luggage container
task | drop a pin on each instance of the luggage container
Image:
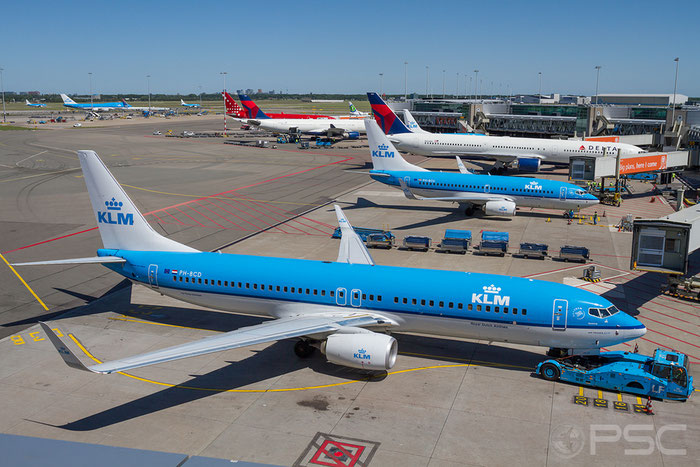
(533, 250)
(416, 242)
(380, 240)
(493, 243)
(455, 241)
(574, 253)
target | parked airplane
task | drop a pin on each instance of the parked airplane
(38, 104)
(527, 153)
(182, 103)
(256, 113)
(356, 113)
(96, 106)
(497, 195)
(344, 307)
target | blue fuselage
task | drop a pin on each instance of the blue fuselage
(525, 191)
(449, 303)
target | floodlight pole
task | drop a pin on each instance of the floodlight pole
(148, 79)
(223, 95)
(597, 79)
(476, 83)
(405, 80)
(673, 104)
(91, 103)
(540, 91)
(2, 89)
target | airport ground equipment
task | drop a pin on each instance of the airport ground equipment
(380, 240)
(493, 243)
(591, 274)
(682, 287)
(303, 145)
(574, 253)
(363, 232)
(417, 242)
(663, 376)
(533, 250)
(455, 241)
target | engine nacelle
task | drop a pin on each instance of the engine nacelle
(499, 208)
(352, 135)
(529, 164)
(367, 350)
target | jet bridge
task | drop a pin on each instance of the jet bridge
(664, 245)
(587, 168)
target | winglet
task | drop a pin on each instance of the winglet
(462, 168)
(406, 190)
(69, 357)
(352, 249)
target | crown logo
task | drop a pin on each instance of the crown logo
(362, 351)
(114, 205)
(383, 147)
(491, 289)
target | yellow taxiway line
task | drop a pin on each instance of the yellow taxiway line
(25, 284)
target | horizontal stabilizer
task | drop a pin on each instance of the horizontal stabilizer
(91, 260)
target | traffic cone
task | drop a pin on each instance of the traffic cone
(648, 408)
(636, 348)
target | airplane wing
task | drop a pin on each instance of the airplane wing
(278, 329)
(474, 198)
(352, 249)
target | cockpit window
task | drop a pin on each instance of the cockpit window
(594, 312)
(603, 312)
(580, 192)
(612, 310)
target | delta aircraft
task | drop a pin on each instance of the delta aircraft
(346, 308)
(195, 106)
(526, 153)
(253, 111)
(38, 104)
(497, 195)
(327, 126)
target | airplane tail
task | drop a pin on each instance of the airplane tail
(353, 109)
(232, 108)
(384, 154)
(386, 118)
(27, 101)
(253, 110)
(411, 122)
(121, 225)
(182, 102)
(67, 100)
(125, 103)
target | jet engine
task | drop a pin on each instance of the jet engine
(352, 135)
(367, 350)
(499, 208)
(529, 164)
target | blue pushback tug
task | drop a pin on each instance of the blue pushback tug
(663, 376)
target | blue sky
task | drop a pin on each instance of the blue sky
(341, 47)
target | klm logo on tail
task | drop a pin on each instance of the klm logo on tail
(112, 216)
(491, 297)
(383, 152)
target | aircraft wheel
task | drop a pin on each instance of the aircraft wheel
(303, 349)
(469, 211)
(550, 372)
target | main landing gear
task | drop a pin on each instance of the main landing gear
(303, 349)
(557, 353)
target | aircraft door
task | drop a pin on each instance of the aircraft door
(559, 313)
(487, 188)
(562, 193)
(408, 181)
(356, 297)
(340, 296)
(153, 275)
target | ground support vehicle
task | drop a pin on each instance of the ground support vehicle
(380, 240)
(682, 287)
(533, 250)
(663, 376)
(493, 243)
(416, 242)
(574, 253)
(455, 241)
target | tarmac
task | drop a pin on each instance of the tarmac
(446, 402)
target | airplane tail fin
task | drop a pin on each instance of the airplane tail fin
(27, 101)
(125, 103)
(386, 118)
(182, 102)
(384, 154)
(353, 109)
(253, 110)
(67, 100)
(120, 223)
(233, 109)
(411, 122)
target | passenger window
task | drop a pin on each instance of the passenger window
(379, 298)
(180, 278)
(293, 289)
(371, 297)
(269, 287)
(200, 280)
(396, 299)
(404, 300)
(285, 288)
(470, 306)
(315, 291)
(240, 285)
(247, 285)
(488, 308)
(422, 302)
(323, 293)
(187, 279)
(341, 294)
(255, 286)
(218, 283)
(206, 281)
(496, 309)
(432, 303)
(332, 293)
(441, 304)
(307, 292)
(364, 296)
(478, 308)
(515, 311)
(300, 290)
(523, 311)
(450, 305)
(174, 278)
(225, 283)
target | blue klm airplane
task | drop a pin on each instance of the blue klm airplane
(96, 106)
(345, 307)
(29, 104)
(497, 195)
(184, 104)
